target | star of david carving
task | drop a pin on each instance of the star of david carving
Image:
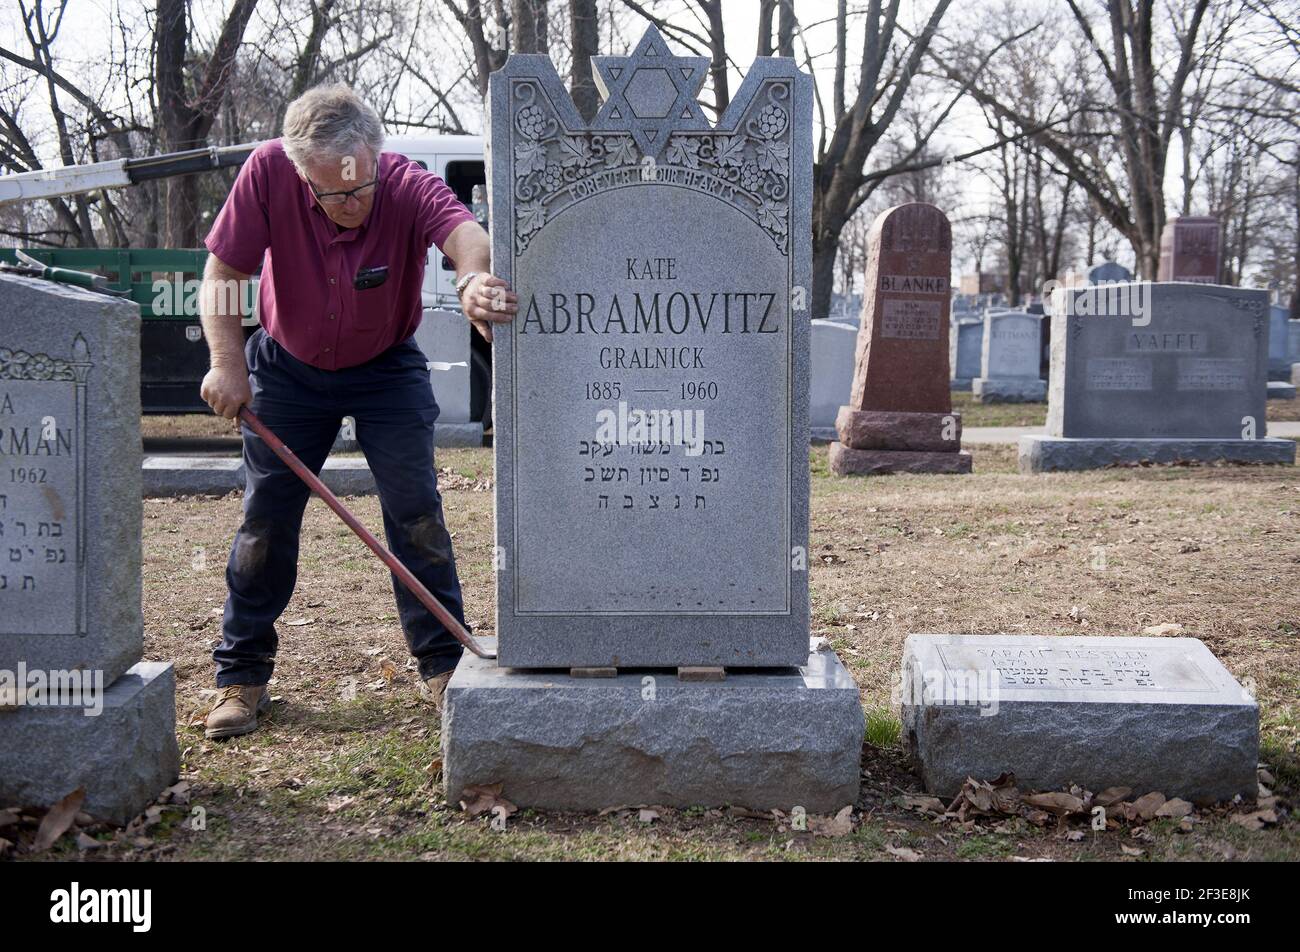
(650, 93)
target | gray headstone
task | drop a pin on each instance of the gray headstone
(1109, 272)
(1011, 358)
(1293, 340)
(966, 349)
(70, 500)
(1159, 361)
(1152, 714)
(831, 375)
(71, 629)
(1279, 343)
(662, 267)
(444, 337)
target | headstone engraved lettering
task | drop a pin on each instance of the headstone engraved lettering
(42, 473)
(1048, 667)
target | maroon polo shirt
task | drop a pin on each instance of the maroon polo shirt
(307, 301)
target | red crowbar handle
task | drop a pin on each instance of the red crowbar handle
(401, 571)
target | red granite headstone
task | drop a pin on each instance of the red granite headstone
(899, 416)
(902, 352)
(1191, 251)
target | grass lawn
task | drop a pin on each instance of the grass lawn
(346, 767)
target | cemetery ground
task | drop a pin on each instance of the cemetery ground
(346, 766)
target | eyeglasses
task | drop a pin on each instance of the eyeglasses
(338, 198)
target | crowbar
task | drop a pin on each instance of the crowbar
(407, 577)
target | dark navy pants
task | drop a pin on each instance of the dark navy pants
(391, 401)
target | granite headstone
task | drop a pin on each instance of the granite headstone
(1109, 272)
(831, 374)
(1191, 251)
(651, 443)
(1151, 714)
(1011, 359)
(653, 389)
(70, 576)
(965, 349)
(899, 417)
(1159, 372)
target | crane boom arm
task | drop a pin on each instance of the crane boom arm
(117, 173)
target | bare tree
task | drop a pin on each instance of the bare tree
(185, 116)
(1144, 106)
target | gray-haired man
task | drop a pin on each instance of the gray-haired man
(341, 231)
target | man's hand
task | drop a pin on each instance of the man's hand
(488, 300)
(226, 389)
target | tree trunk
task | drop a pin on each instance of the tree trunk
(583, 38)
(530, 28)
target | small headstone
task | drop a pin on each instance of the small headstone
(1109, 272)
(831, 376)
(70, 530)
(899, 417)
(965, 349)
(1191, 251)
(1146, 372)
(1279, 343)
(1011, 361)
(1152, 714)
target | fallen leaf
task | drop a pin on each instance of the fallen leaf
(1146, 805)
(1061, 804)
(1174, 808)
(1131, 850)
(903, 853)
(485, 798)
(177, 793)
(1111, 795)
(1157, 631)
(1255, 821)
(86, 842)
(983, 798)
(387, 670)
(300, 622)
(839, 825)
(923, 804)
(57, 820)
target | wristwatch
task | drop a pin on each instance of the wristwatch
(463, 282)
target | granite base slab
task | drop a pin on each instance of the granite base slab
(124, 756)
(961, 383)
(846, 461)
(1040, 454)
(769, 739)
(1281, 390)
(216, 476)
(894, 430)
(1009, 390)
(1153, 714)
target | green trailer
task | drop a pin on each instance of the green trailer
(165, 283)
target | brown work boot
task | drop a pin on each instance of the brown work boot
(434, 689)
(236, 710)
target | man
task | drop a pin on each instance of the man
(341, 231)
